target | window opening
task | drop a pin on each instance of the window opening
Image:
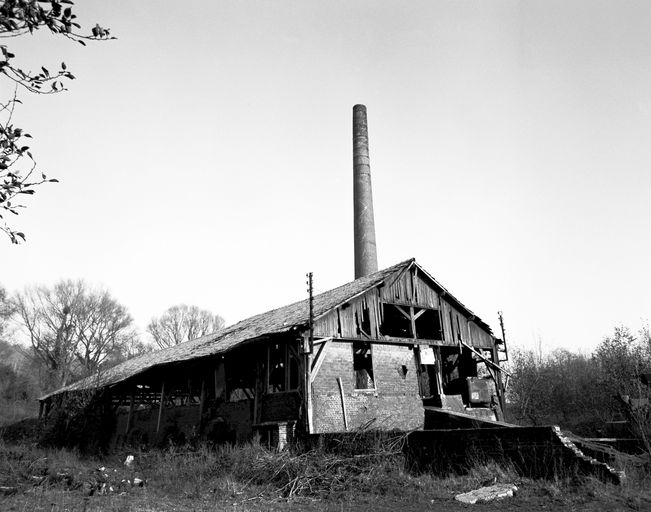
(483, 371)
(428, 325)
(452, 382)
(283, 372)
(239, 377)
(277, 367)
(363, 365)
(427, 357)
(395, 323)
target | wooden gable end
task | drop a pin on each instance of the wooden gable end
(407, 308)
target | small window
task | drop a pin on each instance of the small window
(363, 365)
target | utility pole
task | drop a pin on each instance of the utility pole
(308, 347)
(310, 291)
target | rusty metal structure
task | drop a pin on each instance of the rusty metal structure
(391, 349)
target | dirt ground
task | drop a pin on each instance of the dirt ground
(589, 497)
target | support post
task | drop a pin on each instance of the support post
(160, 408)
(306, 384)
(202, 401)
(40, 410)
(343, 403)
(130, 415)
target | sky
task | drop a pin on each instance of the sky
(205, 156)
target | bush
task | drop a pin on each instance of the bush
(80, 420)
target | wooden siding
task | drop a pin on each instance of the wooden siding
(408, 289)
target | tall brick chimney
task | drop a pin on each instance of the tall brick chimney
(364, 228)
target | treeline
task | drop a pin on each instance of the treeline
(52, 336)
(583, 393)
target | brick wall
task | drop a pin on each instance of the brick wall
(393, 404)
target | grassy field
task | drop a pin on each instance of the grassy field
(251, 478)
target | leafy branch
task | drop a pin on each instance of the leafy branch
(17, 166)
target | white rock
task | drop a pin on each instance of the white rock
(490, 493)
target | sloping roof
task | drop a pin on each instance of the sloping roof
(272, 322)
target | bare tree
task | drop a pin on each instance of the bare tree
(72, 328)
(183, 323)
(47, 317)
(102, 324)
(130, 348)
(6, 311)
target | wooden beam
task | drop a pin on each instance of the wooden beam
(389, 340)
(202, 401)
(317, 361)
(399, 308)
(130, 415)
(423, 310)
(412, 320)
(486, 360)
(343, 403)
(160, 408)
(256, 396)
(308, 393)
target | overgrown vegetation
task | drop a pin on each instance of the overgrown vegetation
(250, 477)
(17, 165)
(583, 393)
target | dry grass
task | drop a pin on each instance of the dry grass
(250, 477)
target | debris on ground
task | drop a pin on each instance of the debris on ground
(490, 493)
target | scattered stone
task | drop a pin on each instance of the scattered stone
(129, 461)
(38, 480)
(88, 488)
(39, 466)
(493, 492)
